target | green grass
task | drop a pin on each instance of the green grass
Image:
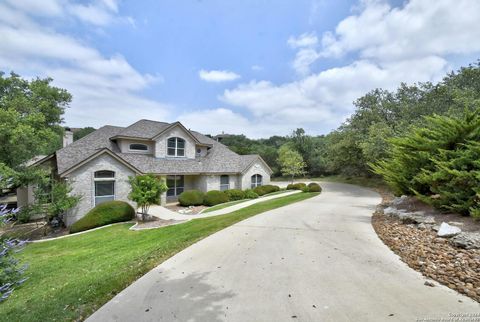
(68, 279)
(224, 205)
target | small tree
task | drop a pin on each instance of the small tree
(54, 198)
(291, 162)
(146, 191)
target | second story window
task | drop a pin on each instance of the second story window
(176, 147)
(138, 147)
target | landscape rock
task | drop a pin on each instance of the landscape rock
(399, 200)
(466, 240)
(428, 283)
(447, 230)
(436, 258)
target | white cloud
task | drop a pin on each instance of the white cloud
(386, 45)
(257, 68)
(304, 40)
(104, 89)
(217, 75)
(419, 28)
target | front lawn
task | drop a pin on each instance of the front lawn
(224, 205)
(68, 279)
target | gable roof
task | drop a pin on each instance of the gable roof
(219, 158)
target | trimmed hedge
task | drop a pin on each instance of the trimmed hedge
(235, 194)
(314, 187)
(191, 198)
(105, 213)
(263, 190)
(297, 186)
(250, 194)
(215, 197)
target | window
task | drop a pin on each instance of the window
(175, 185)
(224, 182)
(138, 147)
(256, 180)
(104, 182)
(176, 147)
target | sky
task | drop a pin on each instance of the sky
(253, 67)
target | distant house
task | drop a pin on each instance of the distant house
(220, 137)
(99, 164)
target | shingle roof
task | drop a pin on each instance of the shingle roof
(82, 149)
(219, 158)
(144, 129)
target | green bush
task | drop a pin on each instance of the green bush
(263, 190)
(235, 194)
(191, 198)
(314, 187)
(105, 213)
(25, 213)
(250, 194)
(438, 162)
(297, 186)
(215, 197)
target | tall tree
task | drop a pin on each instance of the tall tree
(30, 117)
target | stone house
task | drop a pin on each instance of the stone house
(98, 165)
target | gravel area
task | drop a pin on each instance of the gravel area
(434, 257)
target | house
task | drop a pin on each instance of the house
(98, 165)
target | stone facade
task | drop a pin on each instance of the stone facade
(256, 168)
(124, 146)
(82, 181)
(161, 143)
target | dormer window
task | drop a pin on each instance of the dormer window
(176, 147)
(138, 147)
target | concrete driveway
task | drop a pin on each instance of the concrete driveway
(316, 260)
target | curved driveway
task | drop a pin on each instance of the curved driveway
(316, 260)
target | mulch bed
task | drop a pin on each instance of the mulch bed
(194, 209)
(434, 257)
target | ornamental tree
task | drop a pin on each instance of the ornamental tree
(146, 191)
(291, 162)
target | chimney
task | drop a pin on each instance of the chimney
(67, 137)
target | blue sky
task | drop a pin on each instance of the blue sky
(254, 67)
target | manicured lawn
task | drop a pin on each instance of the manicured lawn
(232, 203)
(224, 205)
(70, 278)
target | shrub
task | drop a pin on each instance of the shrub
(250, 194)
(105, 213)
(296, 186)
(215, 197)
(25, 213)
(438, 162)
(191, 198)
(314, 187)
(263, 190)
(235, 194)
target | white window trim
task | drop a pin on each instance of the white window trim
(257, 183)
(113, 179)
(139, 151)
(224, 184)
(176, 148)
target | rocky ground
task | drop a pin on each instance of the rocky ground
(414, 235)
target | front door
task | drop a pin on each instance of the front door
(175, 185)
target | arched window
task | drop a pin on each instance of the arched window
(104, 186)
(224, 182)
(176, 147)
(256, 180)
(138, 147)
